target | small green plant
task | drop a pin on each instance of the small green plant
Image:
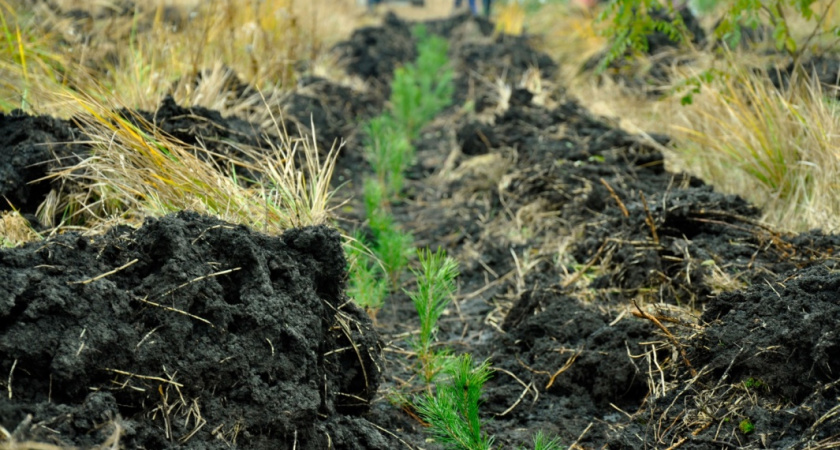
(367, 286)
(746, 426)
(543, 442)
(374, 196)
(453, 409)
(435, 288)
(422, 89)
(754, 383)
(389, 152)
(393, 247)
(631, 22)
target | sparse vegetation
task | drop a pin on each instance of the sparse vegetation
(773, 147)
(424, 88)
(420, 90)
(367, 286)
(453, 411)
(632, 21)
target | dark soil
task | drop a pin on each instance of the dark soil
(621, 305)
(31, 148)
(187, 332)
(642, 239)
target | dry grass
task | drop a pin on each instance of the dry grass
(138, 57)
(137, 171)
(15, 230)
(778, 149)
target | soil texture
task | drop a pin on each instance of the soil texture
(188, 332)
(33, 146)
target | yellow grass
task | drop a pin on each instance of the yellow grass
(780, 150)
(138, 171)
(140, 57)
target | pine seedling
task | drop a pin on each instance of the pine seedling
(389, 152)
(543, 442)
(367, 287)
(393, 247)
(405, 99)
(435, 288)
(434, 75)
(374, 198)
(453, 409)
(422, 89)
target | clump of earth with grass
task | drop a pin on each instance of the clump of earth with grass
(235, 226)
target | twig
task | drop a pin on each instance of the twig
(575, 443)
(11, 373)
(616, 198)
(144, 377)
(649, 219)
(99, 277)
(195, 280)
(518, 400)
(169, 308)
(565, 367)
(393, 435)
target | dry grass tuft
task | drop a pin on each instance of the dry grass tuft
(159, 47)
(133, 173)
(778, 149)
(15, 230)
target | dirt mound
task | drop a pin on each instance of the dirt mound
(186, 332)
(334, 110)
(372, 53)
(575, 356)
(199, 126)
(791, 323)
(769, 359)
(476, 53)
(32, 147)
(563, 223)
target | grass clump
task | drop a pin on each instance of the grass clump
(136, 171)
(15, 230)
(777, 148)
(435, 289)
